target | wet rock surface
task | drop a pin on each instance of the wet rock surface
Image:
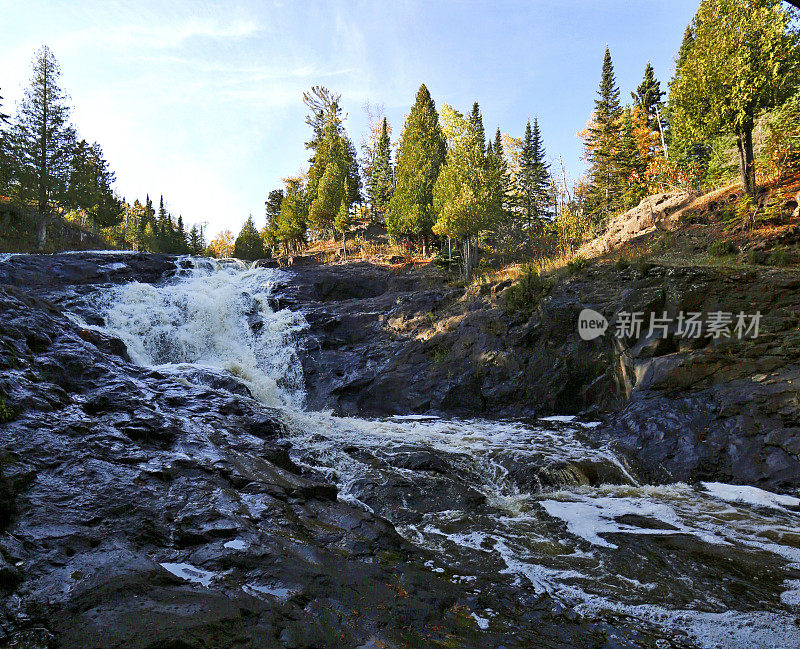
(139, 509)
(683, 409)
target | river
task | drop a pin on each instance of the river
(522, 507)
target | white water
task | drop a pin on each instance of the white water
(582, 544)
(217, 317)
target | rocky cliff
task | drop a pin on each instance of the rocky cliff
(683, 408)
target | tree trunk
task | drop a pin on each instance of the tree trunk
(344, 246)
(747, 169)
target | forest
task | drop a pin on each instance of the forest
(445, 186)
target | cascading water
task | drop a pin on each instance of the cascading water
(536, 506)
(216, 317)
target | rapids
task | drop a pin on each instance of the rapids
(538, 506)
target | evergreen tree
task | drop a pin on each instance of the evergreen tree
(741, 60)
(248, 245)
(182, 239)
(505, 177)
(195, 245)
(476, 120)
(422, 151)
(467, 192)
(44, 137)
(273, 210)
(89, 187)
(602, 142)
(3, 116)
(629, 163)
(293, 217)
(533, 179)
(648, 97)
(381, 175)
(329, 199)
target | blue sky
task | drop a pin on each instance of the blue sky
(201, 101)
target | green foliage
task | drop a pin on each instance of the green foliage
(642, 265)
(781, 258)
(576, 266)
(330, 196)
(782, 146)
(249, 245)
(421, 154)
(721, 248)
(601, 143)
(622, 264)
(740, 59)
(291, 226)
(533, 179)
(381, 175)
(7, 413)
(530, 288)
(648, 97)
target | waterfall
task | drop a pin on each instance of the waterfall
(214, 316)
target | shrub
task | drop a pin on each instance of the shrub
(622, 264)
(781, 258)
(642, 265)
(721, 248)
(531, 287)
(782, 146)
(576, 266)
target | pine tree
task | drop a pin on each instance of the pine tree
(381, 175)
(273, 211)
(180, 233)
(195, 247)
(422, 151)
(44, 137)
(601, 143)
(248, 245)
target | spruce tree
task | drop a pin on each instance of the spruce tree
(648, 97)
(248, 244)
(330, 196)
(381, 175)
(602, 142)
(629, 163)
(44, 137)
(422, 151)
(476, 120)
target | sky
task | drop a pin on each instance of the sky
(202, 101)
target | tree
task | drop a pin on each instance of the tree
(89, 186)
(422, 150)
(44, 137)
(273, 211)
(222, 246)
(330, 146)
(291, 229)
(381, 185)
(533, 179)
(601, 141)
(248, 245)
(467, 191)
(329, 199)
(741, 59)
(3, 116)
(648, 97)
(341, 223)
(629, 162)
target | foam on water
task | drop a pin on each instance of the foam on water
(217, 318)
(565, 542)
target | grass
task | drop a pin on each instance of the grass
(721, 248)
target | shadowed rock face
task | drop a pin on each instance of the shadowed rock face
(683, 409)
(139, 510)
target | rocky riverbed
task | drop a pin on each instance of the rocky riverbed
(169, 477)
